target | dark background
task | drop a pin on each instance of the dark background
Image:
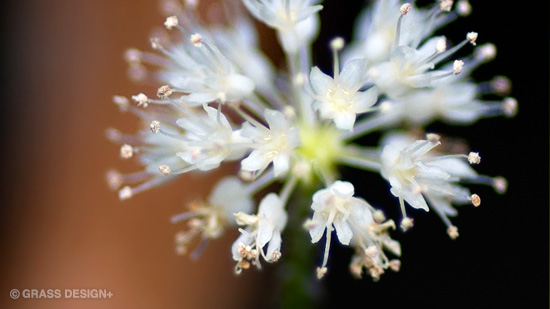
(62, 228)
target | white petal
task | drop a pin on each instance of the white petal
(231, 195)
(320, 82)
(265, 231)
(361, 214)
(272, 209)
(293, 138)
(217, 117)
(416, 200)
(274, 245)
(276, 120)
(342, 189)
(281, 164)
(290, 41)
(317, 228)
(364, 100)
(353, 73)
(200, 97)
(343, 231)
(255, 161)
(239, 86)
(319, 198)
(344, 121)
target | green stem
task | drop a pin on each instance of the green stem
(299, 286)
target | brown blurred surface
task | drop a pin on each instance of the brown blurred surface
(62, 228)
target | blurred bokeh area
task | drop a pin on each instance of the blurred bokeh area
(62, 228)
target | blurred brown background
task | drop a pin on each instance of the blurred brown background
(61, 226)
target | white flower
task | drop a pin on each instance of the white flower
(336, 207)
(411, 68)
(263, 229)
(376, 28)
(240, 44)
(210, 218)
(456, 103)
(339, 98)
(199, 70)
(210, 140)
(422, 179)
(295, 21)
(271, 145)
(410, 176)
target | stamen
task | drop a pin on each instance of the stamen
(451, 51)
(404, 10)
(155, 126)
(486, 52)
(463, 8)
(171, 22)
(114, 179)
(125, 193)
(196, 39)
(121, 102)
(453, 232)
(457, 66)
(371, 251)
(150, 184)
(510, 106)
(321, 271)
(500, 184)
(126, 151)
(472, 37)
(164, 92)
(474, 158)
(406, 224)
(164, 169)
(379, 216)
(395, 265)
(133, 56)
(336, 45)
(141, 99)
(501, 85)
(441, 45)
(434, 138)
(475, 199)
(155, 44)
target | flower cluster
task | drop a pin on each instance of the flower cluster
(220, 100)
